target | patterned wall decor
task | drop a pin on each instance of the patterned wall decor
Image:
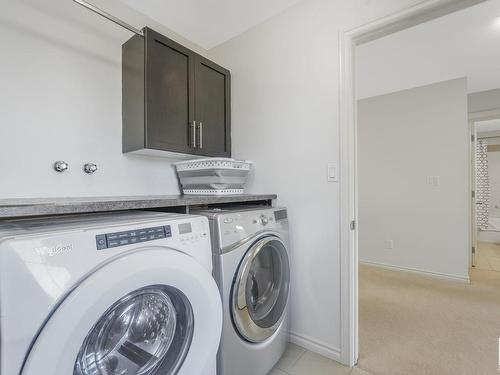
(482, 184)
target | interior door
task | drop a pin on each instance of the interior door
(169, 94)
(213, 109)
(260, 290)
(152, 312)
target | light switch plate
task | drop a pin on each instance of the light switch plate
(433, 180)
(332, 175)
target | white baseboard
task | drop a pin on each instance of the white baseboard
(463, 279)
(315, 346)
(488, 236)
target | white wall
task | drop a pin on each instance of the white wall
(404, 137)
(461, 44)
(285, 118)
(61, 100)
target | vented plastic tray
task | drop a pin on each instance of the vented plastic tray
(213, 176)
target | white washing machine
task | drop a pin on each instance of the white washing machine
(108, 294)
(251, 266)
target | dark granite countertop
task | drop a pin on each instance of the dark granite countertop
(22, 207)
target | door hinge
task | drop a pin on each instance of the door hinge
(473, 250)
(353, 225)
(472, 138)
(473, 194)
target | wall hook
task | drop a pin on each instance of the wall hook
(60, 166)
(90, 168)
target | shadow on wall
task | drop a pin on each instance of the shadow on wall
(51, 37)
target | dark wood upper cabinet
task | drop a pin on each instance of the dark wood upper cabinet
(169, 94)
(212, 108)
(174, 100)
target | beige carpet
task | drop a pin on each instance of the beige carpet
(416, 325)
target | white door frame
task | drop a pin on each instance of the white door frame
(472, 182)
(348, 40)
(475, 117)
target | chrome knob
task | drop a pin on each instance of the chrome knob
(90, 168)
(60, 166)
(264, 220)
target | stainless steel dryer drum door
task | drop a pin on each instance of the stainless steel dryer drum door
(147, 332)
(260, 290)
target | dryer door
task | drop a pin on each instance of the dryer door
(260, 290)
(153, 312)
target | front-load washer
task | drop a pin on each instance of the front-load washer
(251, 267)
(108, 294)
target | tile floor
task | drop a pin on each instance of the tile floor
(488, 256)
(299, 361)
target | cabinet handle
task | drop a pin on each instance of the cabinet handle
(193, 134)
(200, 143)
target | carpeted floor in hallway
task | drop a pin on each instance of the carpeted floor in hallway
(416, 325)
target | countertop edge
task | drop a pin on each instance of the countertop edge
(59, 206)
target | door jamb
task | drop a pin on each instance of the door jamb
(348, 40)
(472, 189)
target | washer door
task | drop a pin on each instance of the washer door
(260, 290)
(148, 331)
(152, 312)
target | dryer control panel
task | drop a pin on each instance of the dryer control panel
(240, 225)
(110, 240)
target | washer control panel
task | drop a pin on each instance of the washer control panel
(189, 235)
(110, 240)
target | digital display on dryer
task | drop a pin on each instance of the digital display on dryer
(280, 215)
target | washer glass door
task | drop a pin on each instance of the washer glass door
(260, 291)
(146, 332)
(153, 311)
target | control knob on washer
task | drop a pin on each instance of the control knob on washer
(264, 220)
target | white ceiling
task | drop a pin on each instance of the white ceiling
(464, 43)
(210, 22)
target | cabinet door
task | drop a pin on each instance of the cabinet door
(169, 94)
(213, 109)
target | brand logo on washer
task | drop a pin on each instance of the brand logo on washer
(54, 250)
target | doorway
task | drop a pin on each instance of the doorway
(349, 154)
(486, 193)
